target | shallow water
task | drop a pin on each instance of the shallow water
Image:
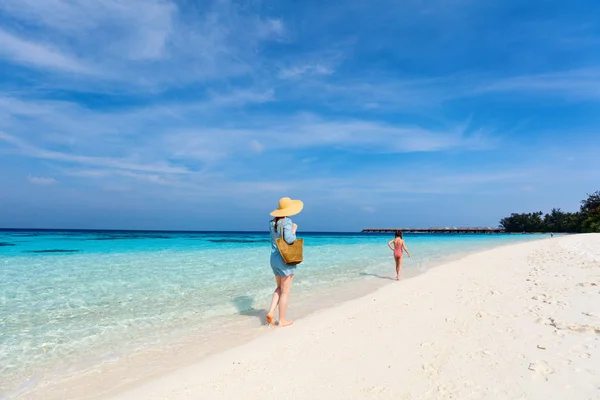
(70, 297)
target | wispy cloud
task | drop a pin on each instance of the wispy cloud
(218, 144)
(147, 44)
(303, 70)
(61, 123)
(142, 27)
(257, 146)
(312, 131)
(188, 132)
(577, 83)
(40, 55)
(40, 180)
(36, 152)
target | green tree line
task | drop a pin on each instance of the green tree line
(587, 219)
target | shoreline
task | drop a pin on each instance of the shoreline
(181, 351)
(193, 348)
(521, 321)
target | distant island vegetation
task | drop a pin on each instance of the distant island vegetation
(586, 220)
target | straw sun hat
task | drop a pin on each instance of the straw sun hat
(288, 207)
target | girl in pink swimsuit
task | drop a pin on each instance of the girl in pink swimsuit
(399, 247)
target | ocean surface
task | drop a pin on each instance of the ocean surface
(79, 297)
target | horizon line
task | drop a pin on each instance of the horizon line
(147, 230)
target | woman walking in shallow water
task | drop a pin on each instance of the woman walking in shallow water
(398, 249)
(282, 227)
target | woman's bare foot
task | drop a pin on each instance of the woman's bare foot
(397, 278)
(283, 324)
(270, 319)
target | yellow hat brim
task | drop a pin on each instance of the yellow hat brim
(293, 208)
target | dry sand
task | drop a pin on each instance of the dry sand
(517, 322)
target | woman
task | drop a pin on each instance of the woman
(282, 226)
(399, 247)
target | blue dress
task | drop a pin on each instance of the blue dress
(280, 268)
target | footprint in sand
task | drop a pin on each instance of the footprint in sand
(534, 310)
(586, 284)
(431, 370)
(543, 297)
(375, 390)
(563, 304)
(541, 368)
(584, 355)
(571, 327)
(590, 314)
(550, 300)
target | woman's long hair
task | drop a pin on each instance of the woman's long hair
(276, 220)
(399, 234)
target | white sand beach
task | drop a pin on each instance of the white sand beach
(517, 322)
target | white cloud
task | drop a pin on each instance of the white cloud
(309, 131)
(139, 43)
(213, 144)
(109, 175)
(379, 94)
(142, 27)
(577, 83)
(304, 70)
(528, 188)
(181, 134)
(80, 130)
(38, 55)
(256, 146)
(40, 153)
(179, 144)
(41, 180)
(240, 98)
(271, 27)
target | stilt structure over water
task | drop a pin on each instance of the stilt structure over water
(488, 230)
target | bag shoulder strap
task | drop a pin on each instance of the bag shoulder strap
(282, 227)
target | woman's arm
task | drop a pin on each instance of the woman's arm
(289, 233)
(405, 249)
(390, 244)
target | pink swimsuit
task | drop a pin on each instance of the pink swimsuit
(397, 249)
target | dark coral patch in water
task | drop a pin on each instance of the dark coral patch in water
(6, 244)
(126, 237)
(238, 241)
(53, 251)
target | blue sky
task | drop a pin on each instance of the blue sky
(164, 114)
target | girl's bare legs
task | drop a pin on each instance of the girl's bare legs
(274, 301)
(398, 267)
(286, 285)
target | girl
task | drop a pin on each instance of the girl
(399, 246)
(282, 227)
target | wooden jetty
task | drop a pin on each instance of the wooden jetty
(488, 230)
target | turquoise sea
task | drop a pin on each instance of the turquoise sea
(80, 297)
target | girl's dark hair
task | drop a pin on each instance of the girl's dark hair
(399, 234)
(276, 220)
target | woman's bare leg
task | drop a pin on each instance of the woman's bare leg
(286, 285)
(274, 301)
(399, 267)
